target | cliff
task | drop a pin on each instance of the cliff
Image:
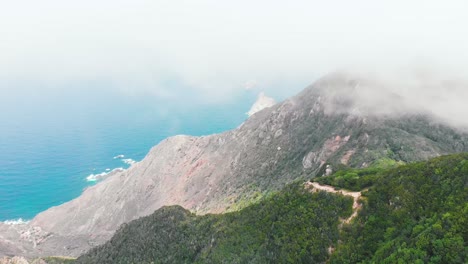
(288, 141)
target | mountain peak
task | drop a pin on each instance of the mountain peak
(359, 95)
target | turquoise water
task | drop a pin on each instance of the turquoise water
(50, 143)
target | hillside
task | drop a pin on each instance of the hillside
(314, 133)
(283, 228)
(415, 213)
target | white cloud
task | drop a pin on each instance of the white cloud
(397, 94)
(208, 49)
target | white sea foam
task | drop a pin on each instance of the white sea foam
(129, 161)
(100, 176)
(19, 221)
(103, 175)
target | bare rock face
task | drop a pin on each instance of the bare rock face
(38, 261)
(14, 260)
(20, 260)
(285, 142)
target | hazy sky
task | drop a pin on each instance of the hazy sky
(214, 49)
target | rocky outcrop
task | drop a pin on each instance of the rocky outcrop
(14, 260)
(262, 102)
(22, 260)
(277, 145)
(330, 147)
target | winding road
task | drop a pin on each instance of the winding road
(314, 187)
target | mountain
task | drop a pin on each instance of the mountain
(321, 129)
(415, 213)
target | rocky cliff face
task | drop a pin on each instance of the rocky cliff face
(289, 141)
(14, 260)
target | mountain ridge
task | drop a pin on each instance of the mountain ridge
(286, 142)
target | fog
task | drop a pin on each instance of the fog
(421, 92)
(209, 51)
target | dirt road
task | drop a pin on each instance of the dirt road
(356, 196)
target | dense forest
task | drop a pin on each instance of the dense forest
(413, 213)
(416, 213)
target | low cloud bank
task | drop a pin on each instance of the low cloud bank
(396, 94)
(213, 49)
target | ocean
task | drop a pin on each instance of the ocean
(52, 144)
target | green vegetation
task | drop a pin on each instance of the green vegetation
(414, 213)
(358, 179)
(55, 260)
(292, 226)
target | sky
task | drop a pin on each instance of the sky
(210, 51)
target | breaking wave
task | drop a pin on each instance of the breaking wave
(129, 161)
(103, 175)
(100, 176)
(19, 221)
